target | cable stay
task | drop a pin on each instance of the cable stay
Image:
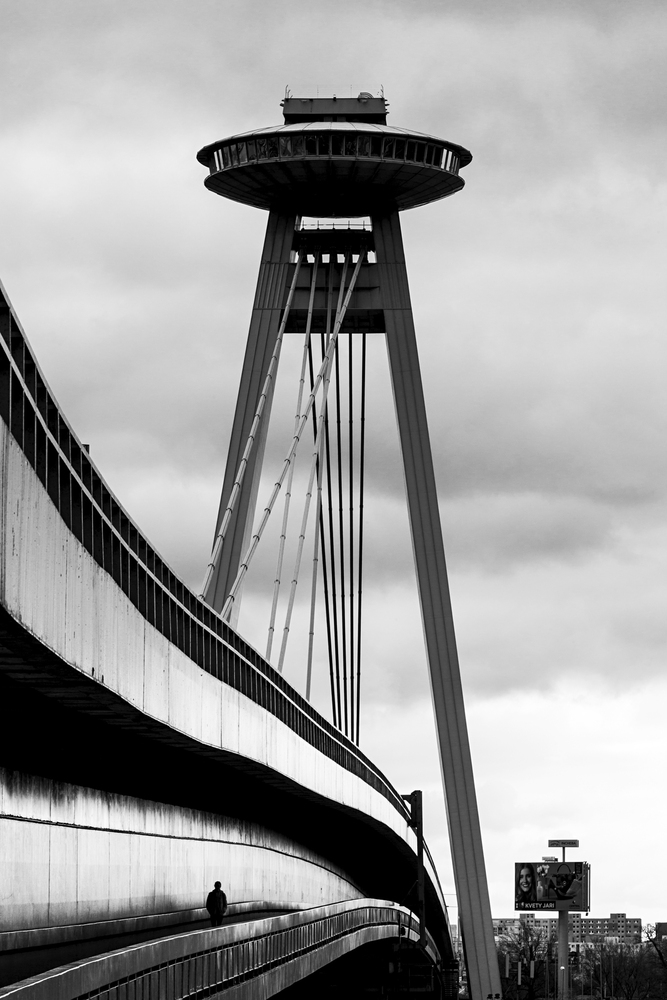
(288, 488)
(320, 547)
(236, 489)
(243, 568)
(313, 471)
(313, 588)
(334, 652)
(337, 413)
(350, 452)
(304, 520)
(360, 546)
(338, 539)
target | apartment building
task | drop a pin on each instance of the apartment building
(617, 928)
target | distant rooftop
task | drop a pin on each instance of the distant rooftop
(364, 108)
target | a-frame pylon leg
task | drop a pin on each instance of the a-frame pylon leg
(272, 285)
(455, 759)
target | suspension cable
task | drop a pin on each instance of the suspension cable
(341, 546)
(304, 520)
(350, 416)
(313, 585)
(243, 568)
(288, 488)
(332, 549)
(341, 529)
(320, 524)
(243, 464)
(362, 457)
(314, 464)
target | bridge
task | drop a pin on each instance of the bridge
(147, 748)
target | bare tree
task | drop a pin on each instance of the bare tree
(531, 949)
(622, 972)
(659, 945)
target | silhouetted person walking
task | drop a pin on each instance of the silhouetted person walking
(216, 904)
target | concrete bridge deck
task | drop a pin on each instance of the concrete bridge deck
(22, 956)
(255, 959)
(168, 751)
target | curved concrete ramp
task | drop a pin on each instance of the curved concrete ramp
(256, 959)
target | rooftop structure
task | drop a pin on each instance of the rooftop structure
(334, 158)
(364, 108)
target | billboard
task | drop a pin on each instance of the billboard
(551, 885)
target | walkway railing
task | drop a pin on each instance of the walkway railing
(206, 962)
(95, 517)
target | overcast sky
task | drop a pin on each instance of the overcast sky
(539, 297)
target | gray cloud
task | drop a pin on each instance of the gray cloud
(536, 292)
(539, 300)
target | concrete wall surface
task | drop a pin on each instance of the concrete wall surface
(118, 688)
(53, 587)
(71, 855)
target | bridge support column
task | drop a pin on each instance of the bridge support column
(272, 285)
(455, 759)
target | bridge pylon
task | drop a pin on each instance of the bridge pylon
(332, 160)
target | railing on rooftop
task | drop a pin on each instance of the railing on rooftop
(287, 146)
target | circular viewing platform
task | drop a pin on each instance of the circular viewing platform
(334, 168)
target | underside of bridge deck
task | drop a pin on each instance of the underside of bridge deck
(124, 753)
(387, 968)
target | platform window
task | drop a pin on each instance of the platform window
(337, 144)
(420, 151)
(399, 149)
(455, 165)
(311, 145)
(261, 148)
(410, 151)
(376, 145)
(252, 149)
(350, 145)
(297, 145)
(285, 145)
(364, 145)
(323, 143)
(388, 148)
(233, 152)
(243, 152)
(437, 156)
(272, 146)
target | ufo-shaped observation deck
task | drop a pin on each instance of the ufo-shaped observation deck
(334, 168)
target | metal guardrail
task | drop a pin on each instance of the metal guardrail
(326, 225)
(206, 962)
(284, 145)
(95, 517)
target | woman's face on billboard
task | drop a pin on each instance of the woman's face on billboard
(525, 880)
